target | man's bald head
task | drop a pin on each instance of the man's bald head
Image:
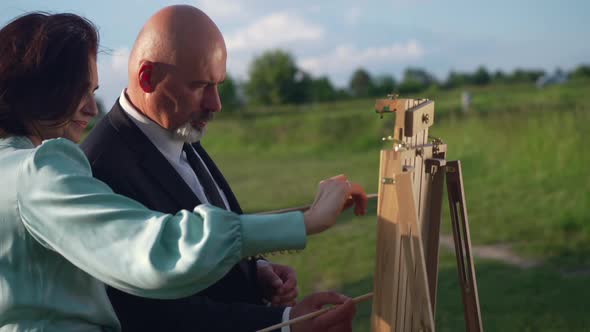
(176, 63)
(173, 35)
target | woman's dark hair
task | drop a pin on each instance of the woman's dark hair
(44, 69)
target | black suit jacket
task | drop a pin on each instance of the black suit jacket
(123, 157)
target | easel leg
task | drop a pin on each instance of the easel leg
(462, 241)
(420, 318)
(435, 172)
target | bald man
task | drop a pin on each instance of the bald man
(148, 148)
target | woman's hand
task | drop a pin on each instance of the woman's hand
(334, 196)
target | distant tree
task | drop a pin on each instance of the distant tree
(499, 77)
(456, 79)
(481, 76)
(420, 76)
(525, 76)
(360, 83)
(228, 92)
(342, 94)
(302, 89)
(382, 86)
(416, 80)
(409, 87)
(274, 79)
(323, 90)
(582, 71)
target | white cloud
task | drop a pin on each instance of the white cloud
(273, 30)
(346, 57)
(112, 73)
(220, 9)
(237, 66)
(120, 58)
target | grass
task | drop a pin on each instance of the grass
(525, 163)
(512, 299)
(529, 183)
(526, 172)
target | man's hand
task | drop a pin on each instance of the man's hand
(278, 283)
(335, 320)
(334, 195)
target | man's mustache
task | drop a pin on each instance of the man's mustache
(205, 117)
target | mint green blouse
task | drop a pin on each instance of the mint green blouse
(64, 234)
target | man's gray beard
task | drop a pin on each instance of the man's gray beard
(189, 134)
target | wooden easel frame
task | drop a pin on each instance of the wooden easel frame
(409, 210)
(412, 177)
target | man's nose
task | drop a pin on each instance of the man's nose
(211, 99)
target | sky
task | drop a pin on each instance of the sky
(334, 38)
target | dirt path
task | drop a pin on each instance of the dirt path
(499, 252)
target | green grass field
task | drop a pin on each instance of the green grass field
(526, 169)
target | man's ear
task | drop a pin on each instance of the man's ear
(145, 76)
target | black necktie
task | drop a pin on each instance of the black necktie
(204, 177)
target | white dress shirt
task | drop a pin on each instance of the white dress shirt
(171, 149)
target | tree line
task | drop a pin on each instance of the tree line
(274, 79)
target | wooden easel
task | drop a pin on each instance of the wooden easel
(409, 210)
(412, 175)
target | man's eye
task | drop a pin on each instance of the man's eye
(198, 85)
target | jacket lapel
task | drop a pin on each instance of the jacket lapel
(161, 171)
(150, 159)
(219, 179)
(248, 267)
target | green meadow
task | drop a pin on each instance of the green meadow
(526, 169)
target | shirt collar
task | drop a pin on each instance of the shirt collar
(162, 138)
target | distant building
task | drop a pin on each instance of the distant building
(558, 77)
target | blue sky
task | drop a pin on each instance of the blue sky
(335, 37)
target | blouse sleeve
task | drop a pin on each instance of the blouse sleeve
(123, 244)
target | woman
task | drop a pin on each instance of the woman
(63, 233)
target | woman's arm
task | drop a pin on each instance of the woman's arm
(127, 246)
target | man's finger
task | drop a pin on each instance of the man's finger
(343, 313)
(285, 272)
(270, 277)
(289, 282)
(343, 327)
(321, 299)
(288, 297)
(284, 291)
